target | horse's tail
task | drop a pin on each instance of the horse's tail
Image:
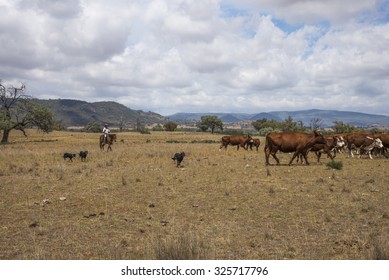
(102, 142)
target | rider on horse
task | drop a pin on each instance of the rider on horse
(106, 131)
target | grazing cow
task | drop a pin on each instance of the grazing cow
(369, 144)
(83, 155)
(69, 156)
(253, 142)
(178, 157)
(288, 142)
(239, 141)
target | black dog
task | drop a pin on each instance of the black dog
(178, 157)
(69, 156)
(83, 155)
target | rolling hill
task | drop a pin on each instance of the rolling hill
(326, 116)
(79, 113)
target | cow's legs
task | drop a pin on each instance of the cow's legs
(267, 154)
(318, 155)
(296, 153)
(275, 157)
(223, 145)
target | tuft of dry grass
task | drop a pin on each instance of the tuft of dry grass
(380, 247)
(184, 246)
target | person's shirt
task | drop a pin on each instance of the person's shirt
(106, 130)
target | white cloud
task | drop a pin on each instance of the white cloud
(201, 56)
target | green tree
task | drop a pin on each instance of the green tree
(158, 127)
(288, 125)
(170, 126)
(265, 123)
(18, 112)
(341, 127)
(92, 127)
(212, 122)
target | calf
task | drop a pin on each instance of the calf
(178, 158)
(254, 142)
(333, 143)
(83, 155)
(319, 148)
(239, 141)
(69, 156)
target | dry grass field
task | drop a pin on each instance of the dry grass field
(134, 203)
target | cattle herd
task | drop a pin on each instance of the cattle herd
(300, 144)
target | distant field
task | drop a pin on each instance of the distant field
(134, 203)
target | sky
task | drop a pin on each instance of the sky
(201, 56)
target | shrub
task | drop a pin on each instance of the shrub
(144, 130)
(333, 164)
(92, 127)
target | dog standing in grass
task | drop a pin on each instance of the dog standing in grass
(83, 155)
(69, 156)
(178, 158)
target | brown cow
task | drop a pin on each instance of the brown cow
(384, 138)
(319, 148)
(355, 140)
(288, 142)
(240, 141)
(369, 144)
(254, 142)
(332, 142)
(385, 142)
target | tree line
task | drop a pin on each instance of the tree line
(18, 111)
(264, 126)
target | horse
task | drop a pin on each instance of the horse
(110, 139)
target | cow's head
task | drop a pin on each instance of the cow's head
(339, 141)
(319, 138)
(378, 143)
(317, 133)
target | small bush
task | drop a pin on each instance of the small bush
(144, 130)
(338, 165)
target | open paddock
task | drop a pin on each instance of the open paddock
(134, 203)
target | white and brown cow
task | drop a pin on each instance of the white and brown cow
(366, 142)
(369, 144)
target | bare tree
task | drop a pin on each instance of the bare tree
(121, 124)
(316, 124)
(18, 111)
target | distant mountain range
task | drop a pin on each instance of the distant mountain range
(327, 117)
(80, 113)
